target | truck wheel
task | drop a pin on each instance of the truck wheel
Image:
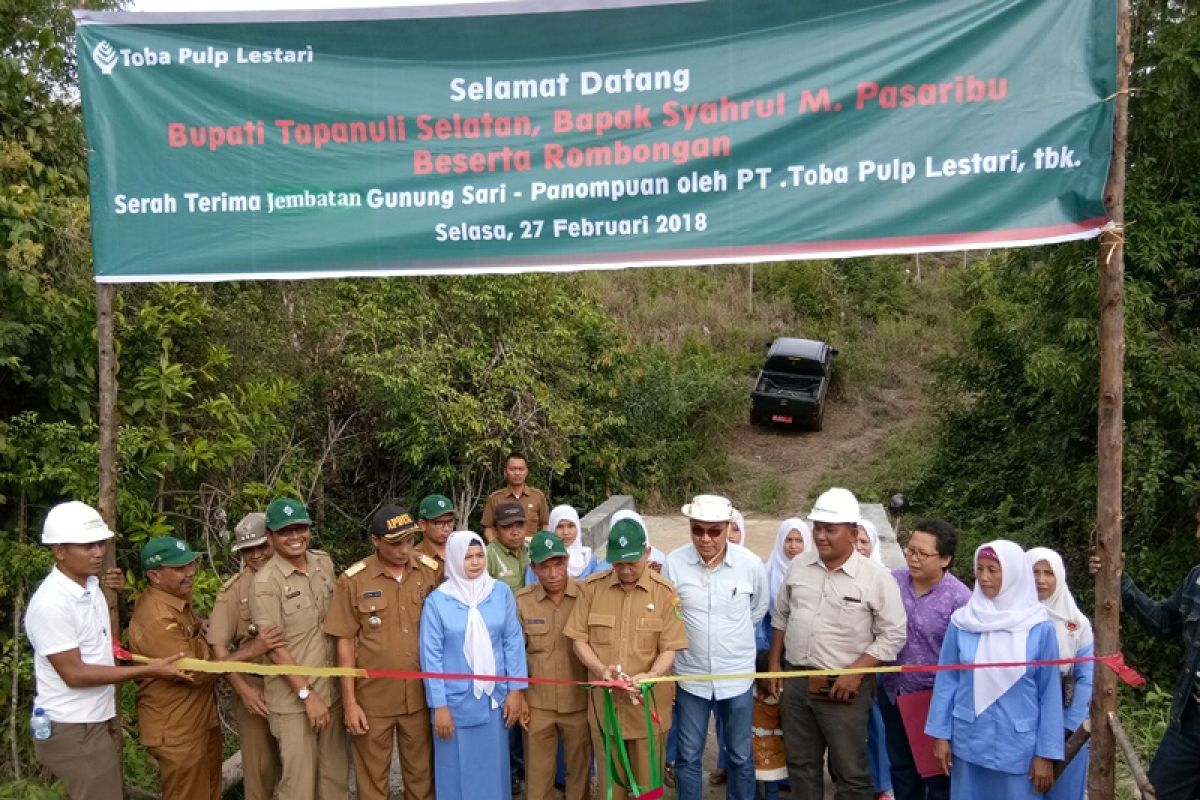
(820, 420)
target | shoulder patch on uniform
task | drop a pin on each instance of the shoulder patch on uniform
(428, 561)
(355, 569)
(676, 607)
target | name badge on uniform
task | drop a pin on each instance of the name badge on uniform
(536, 620)
(290, 595)
(373, 593)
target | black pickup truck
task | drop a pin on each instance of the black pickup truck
(793, 383)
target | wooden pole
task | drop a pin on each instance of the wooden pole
(106, 341)
(1131, 758)
(1074, 744)
(1110, 424)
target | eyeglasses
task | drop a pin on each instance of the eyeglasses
(910, 554)
(709, 533)
(441, 523)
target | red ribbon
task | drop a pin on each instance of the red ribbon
(1115, 662)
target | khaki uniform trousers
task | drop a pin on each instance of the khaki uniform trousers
(315, 765)
(86, 757)
(639, 760)
(190, 769)
(541, 743)
(373, 756)
(260, 753)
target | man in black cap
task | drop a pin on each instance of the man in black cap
(507, 561)
(507, 554)
(375, 614)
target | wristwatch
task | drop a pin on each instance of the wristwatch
(304, 693)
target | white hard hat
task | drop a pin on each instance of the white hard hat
(835, 505)
(709, 508)
(74, 522)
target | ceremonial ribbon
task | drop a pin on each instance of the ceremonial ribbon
(1115, 662)
(613, 745)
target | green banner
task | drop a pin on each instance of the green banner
(519, 137)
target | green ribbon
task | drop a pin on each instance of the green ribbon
(613, 744)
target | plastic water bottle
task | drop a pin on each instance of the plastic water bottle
(39, 723)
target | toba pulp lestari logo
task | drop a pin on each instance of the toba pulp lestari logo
(105, 57)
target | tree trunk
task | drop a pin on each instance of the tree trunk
(1110, 435)
(106, 339)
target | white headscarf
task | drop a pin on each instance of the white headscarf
(740, 521)
(656, 556)
(1072, 626)
(873, 535)
(778, 562)
(1002, 623)
(477, 643)
(578, 556)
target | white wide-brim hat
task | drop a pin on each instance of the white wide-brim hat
(709, 508)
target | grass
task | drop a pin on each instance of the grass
(767, 496)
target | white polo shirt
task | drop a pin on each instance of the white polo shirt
(62, 616)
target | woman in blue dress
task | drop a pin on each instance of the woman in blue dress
(1074, 632)
(998, 730)
(469, 625)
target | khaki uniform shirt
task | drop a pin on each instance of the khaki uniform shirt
(296, 603)
(631, 627)
(537, 510)
(383, 616)
(426, 548)
(506, 566)
(229, 625)
(170, 712)
(548, 652)
(830, 618)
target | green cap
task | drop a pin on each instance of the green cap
(434, 505)
(544, 545)
(166, 551)
(286, 511)
(626, 542)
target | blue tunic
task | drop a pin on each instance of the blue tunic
(878, 763)
(993, 751)
(474, 762)
(1073, 781)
